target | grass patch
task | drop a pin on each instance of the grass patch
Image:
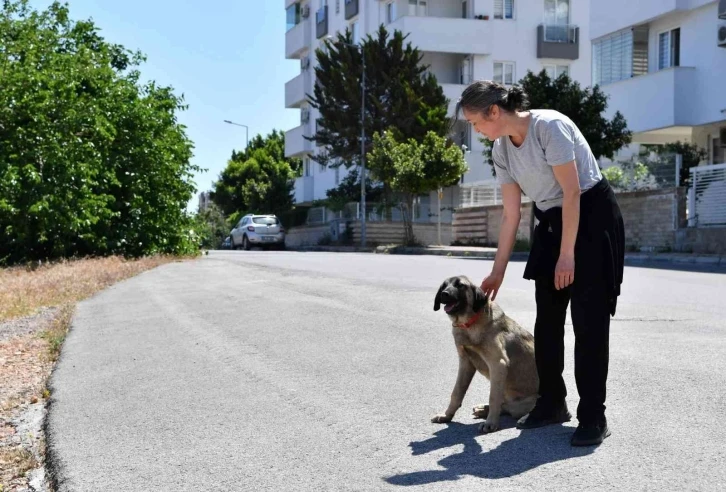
(15, 462)
(23, 290)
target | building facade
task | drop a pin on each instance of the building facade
(461, 41)
(663, 65)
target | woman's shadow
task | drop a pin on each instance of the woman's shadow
(527, 451)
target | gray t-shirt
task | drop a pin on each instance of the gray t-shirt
(552, 139)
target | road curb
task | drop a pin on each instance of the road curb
(489, 254)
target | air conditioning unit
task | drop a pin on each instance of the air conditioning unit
(306, 11)
(305, 62)
(722, 36)
(305, 115)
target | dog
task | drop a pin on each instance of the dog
(490, 342)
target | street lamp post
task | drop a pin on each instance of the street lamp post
(247, 131)
(362, 141)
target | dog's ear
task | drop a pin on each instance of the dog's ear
(437, 299)
(480, 299)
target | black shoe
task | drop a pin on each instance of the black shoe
(542, 415)
(590, 434)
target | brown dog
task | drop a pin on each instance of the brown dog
(490, 342)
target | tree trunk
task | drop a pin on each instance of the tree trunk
(407, 213)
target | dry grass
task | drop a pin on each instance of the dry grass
(24, 290)
(26, 359)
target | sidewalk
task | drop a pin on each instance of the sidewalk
(489, 253)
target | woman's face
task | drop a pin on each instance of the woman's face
(490, 126)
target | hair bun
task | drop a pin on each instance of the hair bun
(516, 98)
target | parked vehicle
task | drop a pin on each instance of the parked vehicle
(258, 230)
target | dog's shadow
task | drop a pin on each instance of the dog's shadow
(530, 449)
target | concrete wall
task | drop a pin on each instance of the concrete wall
(382, 233)
(704, 240)
(305, 235)
(651, 218)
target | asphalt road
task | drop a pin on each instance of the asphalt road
(316, 371)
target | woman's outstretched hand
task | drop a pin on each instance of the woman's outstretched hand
(491, 284)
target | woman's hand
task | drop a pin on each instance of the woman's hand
(491, 284)
(565, 270)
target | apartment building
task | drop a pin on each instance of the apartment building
(461, 40)
(663, 65)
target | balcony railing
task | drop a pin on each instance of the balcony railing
(558, 41)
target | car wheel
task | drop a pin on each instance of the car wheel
(245, 243)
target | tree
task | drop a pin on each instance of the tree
(259, 179)
(91, 161)
(401, 96)
(211, 227)
(583, 106)
(418, 168)
(349, 191)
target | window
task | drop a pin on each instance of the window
(669, 49)
(557, 12)
(620, 56)
(337, 6)
(337, 175)
(504, 72)
(294, 15)
(417, 7)
(465, 72)
(504, 9)
(321, 168)
(390, 12)
(306, 170)
(265, 220)
(554, 71)
(464, 12)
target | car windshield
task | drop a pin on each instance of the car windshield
(265, 220)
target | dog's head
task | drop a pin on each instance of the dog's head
(459, 296)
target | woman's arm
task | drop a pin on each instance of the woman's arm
(566, 175)
(512, 199)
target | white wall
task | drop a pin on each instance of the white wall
(694, 94)
(516, 40)
(607, 16)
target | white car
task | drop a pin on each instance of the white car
(258, 230)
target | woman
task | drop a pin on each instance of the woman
(577, 249)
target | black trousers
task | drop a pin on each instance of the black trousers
(591, 323)
(592, 297)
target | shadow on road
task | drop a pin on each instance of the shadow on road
(525, 452)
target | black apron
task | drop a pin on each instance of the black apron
(599, 247)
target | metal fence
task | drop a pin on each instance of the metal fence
(650, 172)
(481, 194)
(707, 196)
(375, 212)
(560, 33)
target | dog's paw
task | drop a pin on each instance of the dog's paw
(480, 412)
(488, 427)
(441, 418)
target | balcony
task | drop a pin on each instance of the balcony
(321, 22)
(297, 40)
(296, 91)
(558, 41)
(351, 9)
(661, 99)
(445, 34)
(304, 190)
(295, 144)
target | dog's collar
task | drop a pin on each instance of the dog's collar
(471, 321)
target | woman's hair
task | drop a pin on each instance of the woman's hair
(483, 94)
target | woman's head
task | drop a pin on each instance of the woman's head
(489, 105)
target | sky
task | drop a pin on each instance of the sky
(227, 57)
